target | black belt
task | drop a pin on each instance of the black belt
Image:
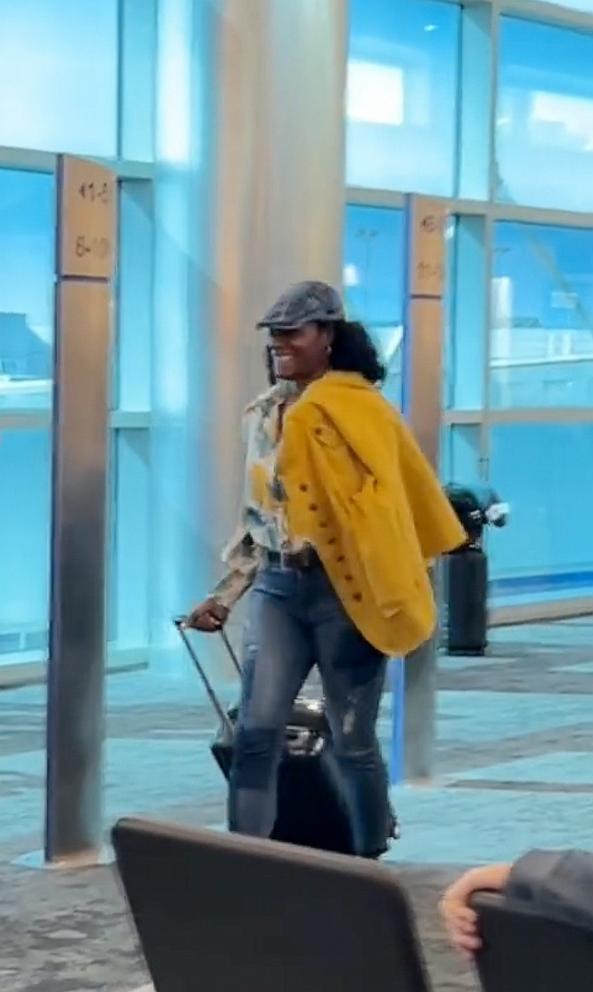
(298, 561)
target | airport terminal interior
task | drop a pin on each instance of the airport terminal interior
(255, 143)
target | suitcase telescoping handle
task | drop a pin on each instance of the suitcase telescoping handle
(231, 651)
(180, 623)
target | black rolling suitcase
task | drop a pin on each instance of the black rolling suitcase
(311, 810)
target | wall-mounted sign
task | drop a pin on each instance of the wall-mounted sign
(88, 210)
(427, 219)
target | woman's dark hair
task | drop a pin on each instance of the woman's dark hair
(270, 370)
(353, 350)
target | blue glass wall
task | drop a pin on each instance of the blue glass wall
(137, 94)
(25, 469)
(402, 95)
(545, 471)
(541, 351)
(460, 454)
(518, 382)
(26, 289)
(75, 77)
(373, 283)
(133, 352)
(26, 347)
(129, 569)
(544, 142)
(59, 75)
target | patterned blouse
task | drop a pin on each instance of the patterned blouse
(262, 524)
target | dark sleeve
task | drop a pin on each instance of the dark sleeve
(556, 884)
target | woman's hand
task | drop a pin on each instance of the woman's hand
(460, 919)
(208, 617)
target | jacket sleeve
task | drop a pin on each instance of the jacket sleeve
(435, 522)
(556, 884)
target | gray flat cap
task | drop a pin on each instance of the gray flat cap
(304, 303)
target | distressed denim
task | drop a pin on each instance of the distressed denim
(296, 621)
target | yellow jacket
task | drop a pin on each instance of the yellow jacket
(359, 490)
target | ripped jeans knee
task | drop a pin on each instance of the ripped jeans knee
(355, 741)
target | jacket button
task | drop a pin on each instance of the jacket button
(340, 559)
(313, 508)
(331, 540)
(323, 524)
(349, 578)
(304, 488)
(357, 597)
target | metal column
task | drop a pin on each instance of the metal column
(415, 680)
(86, 224)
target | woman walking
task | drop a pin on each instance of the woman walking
(341, 514)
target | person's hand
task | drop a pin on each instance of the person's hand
(208, 617)
(460, 919)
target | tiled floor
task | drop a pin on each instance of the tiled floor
(514, 770)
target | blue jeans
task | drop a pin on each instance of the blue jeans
(296, 621)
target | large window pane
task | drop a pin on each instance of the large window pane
(545, 472)
(128, 538)
(460, 454)
(542, 317)
(58, 75)
(402, 90)
(26, 288)
(373, 281)
(134, 326)
(25, 468)
(138, 71)
(545, 116)
(469, 278)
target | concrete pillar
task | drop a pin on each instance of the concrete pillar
(249, 198)
(279, 187)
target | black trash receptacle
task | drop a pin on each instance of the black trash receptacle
(467, 570)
